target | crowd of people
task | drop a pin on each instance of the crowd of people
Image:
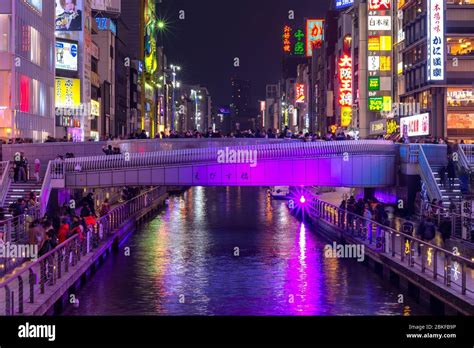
(435, 218)
(49, 231)
(270, 133)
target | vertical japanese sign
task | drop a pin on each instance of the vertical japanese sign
(293, 41)
(298, 48)
(345, 89)
(435, 40)
(314, 35)
(379, 59)
(345, 81)
(287, 39)
(300, 93)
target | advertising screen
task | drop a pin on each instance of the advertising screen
(67, 92)
(66, 55)
(68, 15)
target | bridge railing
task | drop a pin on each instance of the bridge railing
(468, 149)
(440, 264)
(4, 180)
(47, 270)
(265, 151)
(14, 231)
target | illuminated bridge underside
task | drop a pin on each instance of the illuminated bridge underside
(299, 164)
(358, 171)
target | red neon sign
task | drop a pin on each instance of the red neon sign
(379, 5)
(345, 80)
(300, 93)
(286, 39)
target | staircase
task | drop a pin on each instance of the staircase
(447, 193)
(20, 190)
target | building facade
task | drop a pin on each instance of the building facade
(27, 69)
(437, 70)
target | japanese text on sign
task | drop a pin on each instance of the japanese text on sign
(435, 40)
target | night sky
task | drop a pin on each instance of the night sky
(214, 32)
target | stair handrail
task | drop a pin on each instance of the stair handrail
(463, 160)
(45, 190)
(427, 176)
(4, 180)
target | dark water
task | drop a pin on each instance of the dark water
(186, 254)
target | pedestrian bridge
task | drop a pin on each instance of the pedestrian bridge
(365, 163)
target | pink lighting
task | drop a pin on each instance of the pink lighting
(302, 200)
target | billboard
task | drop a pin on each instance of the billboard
(343, 4)
(68, 15)
(66, 55)
(67, 92)
(300, 93)
(414, 126)
(95, 108)
(378, 127)
(374, 83)
(435, 47)
(379, 5)
(104, 23)
(111, 6)
(314, 35)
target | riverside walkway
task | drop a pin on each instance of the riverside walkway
(433, 270)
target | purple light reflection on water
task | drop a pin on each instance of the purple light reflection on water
(302, 279)
(189, 249)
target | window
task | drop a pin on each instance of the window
(35, 53)
(460, 46)
(24, 94)
(4, 32)
(33, 96)
(5, 92)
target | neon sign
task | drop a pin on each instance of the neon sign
(379, 5)
(286, 39)
(314, 35)
(299, 44)
(343, 3)
(300, 93)
(345, 80)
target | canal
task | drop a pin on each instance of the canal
(233, 251)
